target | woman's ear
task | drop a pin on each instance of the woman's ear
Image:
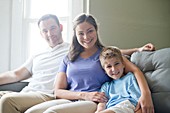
(61, 27)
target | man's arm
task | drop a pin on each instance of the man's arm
(147, 47)
(14, 76)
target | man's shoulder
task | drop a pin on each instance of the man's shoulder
(66, 44)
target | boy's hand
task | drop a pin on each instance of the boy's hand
(100, 107)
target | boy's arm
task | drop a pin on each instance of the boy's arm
(100, 107)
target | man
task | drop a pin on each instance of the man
(41, 67)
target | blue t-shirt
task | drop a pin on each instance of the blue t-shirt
(84, 74)
(125, 88)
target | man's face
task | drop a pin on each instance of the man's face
(51, 32)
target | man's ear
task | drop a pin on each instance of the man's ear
(41, 34)
(61, 27)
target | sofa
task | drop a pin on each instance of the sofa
(156, 67)
(16, 87)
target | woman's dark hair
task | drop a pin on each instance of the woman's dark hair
(47, 16)
(76, 48)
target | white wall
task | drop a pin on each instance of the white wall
(5, 28)
(11, 49)
(12, 43)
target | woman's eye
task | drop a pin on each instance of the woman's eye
(81, 34)
(90, 31)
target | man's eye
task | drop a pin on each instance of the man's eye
(44, 31)
(52, 28)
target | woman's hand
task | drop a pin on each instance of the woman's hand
(146, 104)
(147, 47)
(95, 96)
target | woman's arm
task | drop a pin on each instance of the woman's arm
(61, 86)
(62, 92)
(145, 100)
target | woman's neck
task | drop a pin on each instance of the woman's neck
(88, 52)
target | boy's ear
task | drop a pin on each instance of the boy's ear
(61, 27)
(123, 64)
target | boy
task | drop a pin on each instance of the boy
(123, 91)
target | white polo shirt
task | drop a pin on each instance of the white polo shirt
(44, 67)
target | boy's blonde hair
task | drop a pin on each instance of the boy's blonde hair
(108, 53)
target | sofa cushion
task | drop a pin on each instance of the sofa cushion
(17, 86)
(156, 67)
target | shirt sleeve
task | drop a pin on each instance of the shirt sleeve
(29, 64)
(134, 89)
(63, 65)
(105, 89)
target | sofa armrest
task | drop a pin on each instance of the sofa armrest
(17, 86)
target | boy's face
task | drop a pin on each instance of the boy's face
(114, 68)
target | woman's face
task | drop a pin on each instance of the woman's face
(86, 35)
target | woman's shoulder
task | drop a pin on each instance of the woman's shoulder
(66, 59)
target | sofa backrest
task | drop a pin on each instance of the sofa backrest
(156, 67)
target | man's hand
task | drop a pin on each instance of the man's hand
(147, 47)
(145, 103)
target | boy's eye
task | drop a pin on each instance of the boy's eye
(108, 66)
(117, 63)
